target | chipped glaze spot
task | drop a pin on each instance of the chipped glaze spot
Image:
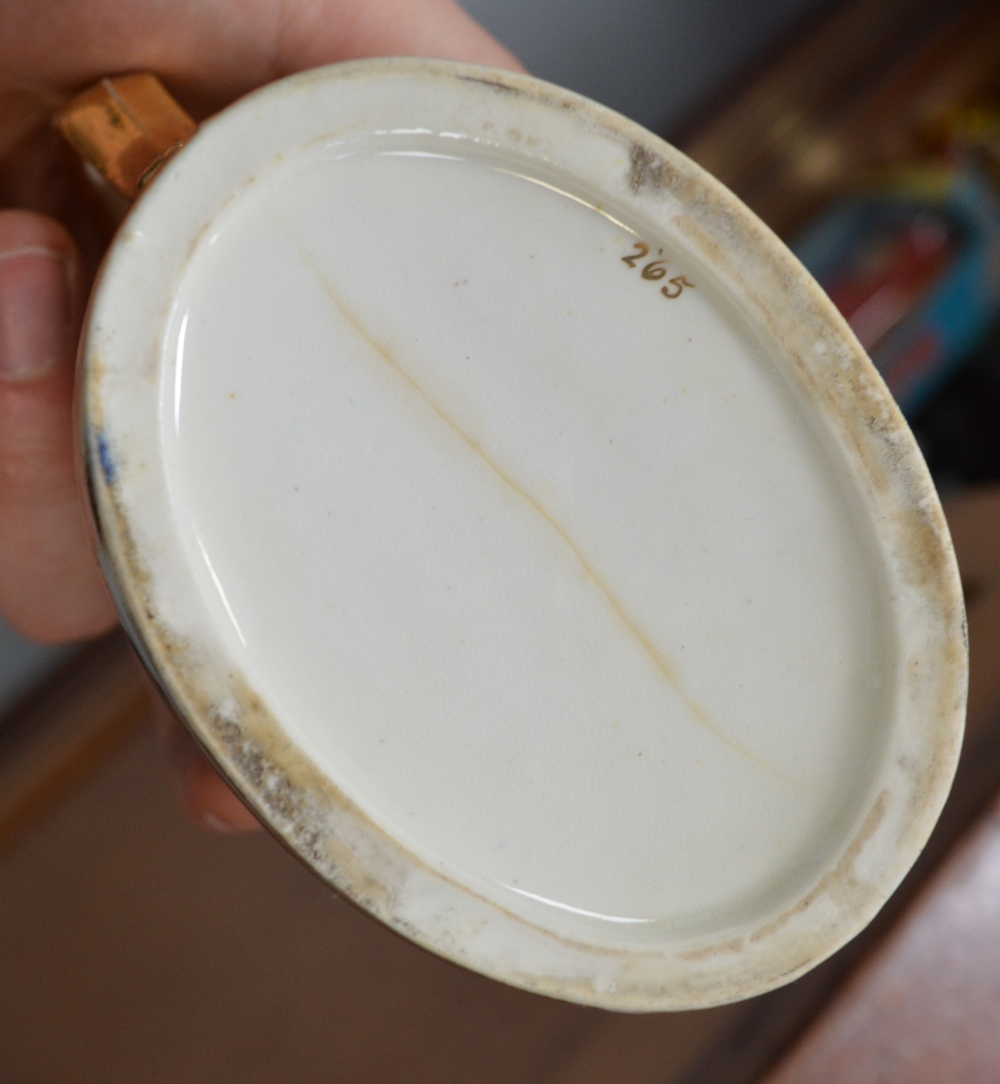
(647, 171)
(106, 460)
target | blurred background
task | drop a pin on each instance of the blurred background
(134, 946)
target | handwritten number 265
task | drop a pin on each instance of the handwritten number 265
(655, 270)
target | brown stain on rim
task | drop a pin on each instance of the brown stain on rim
(853, 403)
(721, 949)
(841, 882)
(647, 171)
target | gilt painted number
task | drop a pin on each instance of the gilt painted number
(641, 249)
(676, 287)
(656, 270)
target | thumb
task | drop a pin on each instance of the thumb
(51, 587)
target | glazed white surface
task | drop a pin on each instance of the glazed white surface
(548, 573)
(431, 515)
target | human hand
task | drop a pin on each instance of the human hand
(208, 53)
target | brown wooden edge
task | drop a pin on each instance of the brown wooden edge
(125, 127)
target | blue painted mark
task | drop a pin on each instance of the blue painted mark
(107, 463)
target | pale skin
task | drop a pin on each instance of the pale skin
(209, 52)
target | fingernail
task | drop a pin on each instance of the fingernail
(34, 312)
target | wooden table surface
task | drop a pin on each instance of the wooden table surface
(925, 1008)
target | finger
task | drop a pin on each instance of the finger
(202, 792)
(51, 588)
(214, 52)
(316, 32)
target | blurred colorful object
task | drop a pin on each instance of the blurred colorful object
(914, 266)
